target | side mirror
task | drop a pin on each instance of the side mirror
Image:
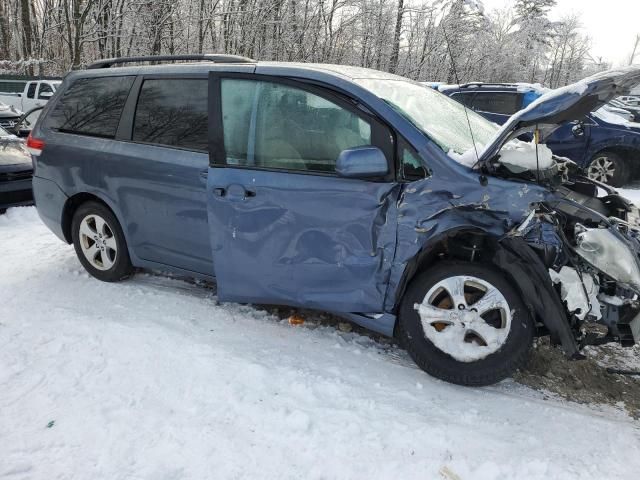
(45, 95)
(578, 130)
(362, 162)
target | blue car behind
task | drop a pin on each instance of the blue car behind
(342, 189)
(605, 146)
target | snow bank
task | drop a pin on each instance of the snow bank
(151, 379)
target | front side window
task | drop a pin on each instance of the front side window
(173, 112)
(91, 106)
(270, 125)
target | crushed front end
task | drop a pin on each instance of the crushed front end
(590, 245)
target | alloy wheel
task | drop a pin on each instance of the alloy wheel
(465, 317)
(98, 242)
(601, 169)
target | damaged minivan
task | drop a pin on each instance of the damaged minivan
(347, 190)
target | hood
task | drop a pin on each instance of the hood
(564, 105)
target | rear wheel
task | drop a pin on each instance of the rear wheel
(99, 243)
(609, 168)
(462, 322)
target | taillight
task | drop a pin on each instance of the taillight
(34, 145)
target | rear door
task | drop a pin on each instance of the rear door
(284, 227)
(162, 162)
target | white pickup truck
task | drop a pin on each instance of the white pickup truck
(24, 95)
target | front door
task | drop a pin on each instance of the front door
(284, 227)
(571, 140)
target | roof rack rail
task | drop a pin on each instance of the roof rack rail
(492, 84)
(204, 57)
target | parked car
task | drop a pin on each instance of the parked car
(14, 121)
(633, 110)
(24, 95)
(626, 115)
(16, 170)
(348, 190)
(495, 101)
(605, 145)
(8, 116)
(632, 100)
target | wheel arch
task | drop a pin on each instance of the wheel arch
(74, 202)
(448, 245)
(624, 151)
(515, 259)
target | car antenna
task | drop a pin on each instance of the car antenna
(466, 113)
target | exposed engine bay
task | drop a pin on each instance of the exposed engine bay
(588, 237)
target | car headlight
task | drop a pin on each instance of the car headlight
(608, 253)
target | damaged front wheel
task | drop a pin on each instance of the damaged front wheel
(463, 322)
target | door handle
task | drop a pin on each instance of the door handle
(234, 192)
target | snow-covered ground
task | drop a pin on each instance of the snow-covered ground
(151, 379)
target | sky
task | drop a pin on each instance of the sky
(611, 24)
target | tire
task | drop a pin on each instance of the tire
(482, 364)
(99, 243)
(609, 168)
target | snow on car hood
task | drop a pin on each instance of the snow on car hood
(564, 105)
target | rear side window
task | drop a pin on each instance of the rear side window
(172, 112)
(91, 106)
(504, 103)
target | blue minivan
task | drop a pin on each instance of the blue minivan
(347, 190)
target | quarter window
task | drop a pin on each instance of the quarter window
(173, 112)
(91, 106)
(270, 125)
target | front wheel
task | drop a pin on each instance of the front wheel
(464, 323)
(609, 168)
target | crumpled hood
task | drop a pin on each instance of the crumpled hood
(564, 105)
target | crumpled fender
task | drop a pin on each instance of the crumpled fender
(528, 273)
(427, 215)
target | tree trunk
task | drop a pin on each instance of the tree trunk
(395, 51)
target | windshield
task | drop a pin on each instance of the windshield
(440, 117)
